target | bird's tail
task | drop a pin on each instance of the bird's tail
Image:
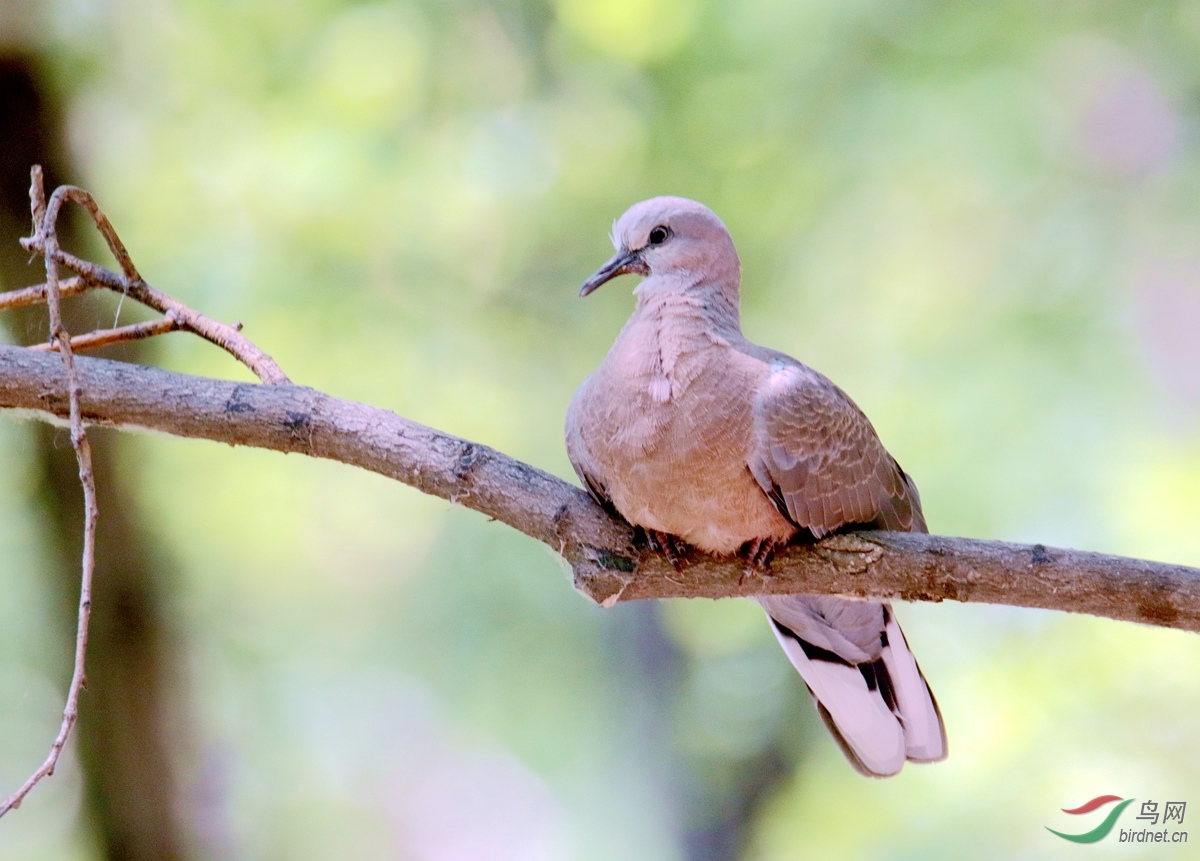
(876, 702)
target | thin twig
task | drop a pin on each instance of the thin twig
(131, 284)
(107, 337)
(83, 453)
(36, 294)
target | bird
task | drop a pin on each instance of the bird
(700, 438)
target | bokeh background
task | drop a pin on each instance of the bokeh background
(981, 219)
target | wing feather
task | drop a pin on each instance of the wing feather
(814, 448)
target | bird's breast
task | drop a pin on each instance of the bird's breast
(678, 464)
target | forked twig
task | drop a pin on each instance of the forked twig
(128, 283)
(44, 221)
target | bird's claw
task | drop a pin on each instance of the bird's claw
(758, 554)
(674, 548)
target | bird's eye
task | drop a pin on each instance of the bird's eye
(659, 235)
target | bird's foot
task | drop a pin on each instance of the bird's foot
(758, 554)
(672, 546)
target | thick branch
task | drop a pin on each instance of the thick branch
(601, 551)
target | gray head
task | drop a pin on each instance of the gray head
(673, 238)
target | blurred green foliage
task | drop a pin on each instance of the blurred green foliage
(981, 219)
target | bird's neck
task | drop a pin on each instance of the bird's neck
(665, 343)
(684, 312)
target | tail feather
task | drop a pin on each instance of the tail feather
(881, 711)
(857, 716)
(924, 731)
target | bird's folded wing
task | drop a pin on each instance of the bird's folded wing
(815, 453)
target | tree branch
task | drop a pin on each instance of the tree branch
(607, 564)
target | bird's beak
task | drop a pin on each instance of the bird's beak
(621, 263)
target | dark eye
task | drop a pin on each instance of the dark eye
(659, 235)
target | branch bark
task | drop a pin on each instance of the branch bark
(607, 563)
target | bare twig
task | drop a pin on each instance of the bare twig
(36, 294)
(130, 283)
(44, 228)
(607, 563)
(106, 337)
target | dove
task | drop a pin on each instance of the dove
(701, 438)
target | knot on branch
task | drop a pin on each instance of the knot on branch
(849, 552)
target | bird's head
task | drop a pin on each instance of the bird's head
(674, 239)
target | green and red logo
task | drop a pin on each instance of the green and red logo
(1101, 830)
(1155, 817)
